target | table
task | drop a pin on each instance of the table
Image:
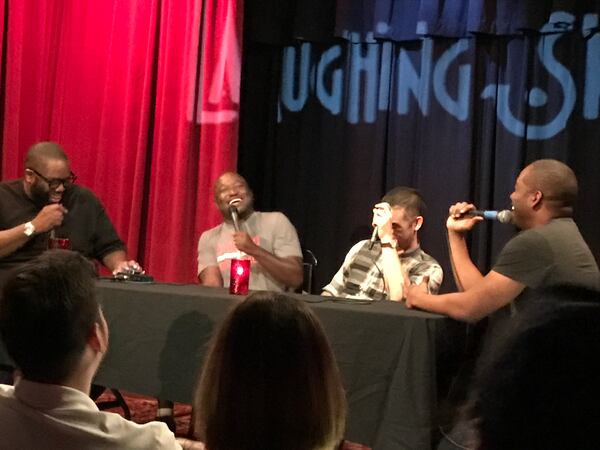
(388, 355)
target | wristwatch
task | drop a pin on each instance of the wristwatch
(29, 229)
(389, 244)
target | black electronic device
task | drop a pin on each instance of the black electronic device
(133, 276)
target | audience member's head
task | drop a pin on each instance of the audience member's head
(48, 310)
(540, 390)
(270, 381)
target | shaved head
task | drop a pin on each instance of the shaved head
(39, 153)
(232, 188)
(225, 178)
(556, 181)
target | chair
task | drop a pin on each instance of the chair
(308, 265)
(118, 402)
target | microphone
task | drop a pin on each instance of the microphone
(234, 217)
(373, 237)
(504, 216)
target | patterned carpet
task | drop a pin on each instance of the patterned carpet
(143, 409)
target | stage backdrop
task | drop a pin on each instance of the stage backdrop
(144, 97)
(341, 102)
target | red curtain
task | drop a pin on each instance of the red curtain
(116, 84)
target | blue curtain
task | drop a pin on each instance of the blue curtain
(341, 102)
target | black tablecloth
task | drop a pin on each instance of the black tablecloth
(388, 355)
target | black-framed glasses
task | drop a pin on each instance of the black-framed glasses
(56, 182)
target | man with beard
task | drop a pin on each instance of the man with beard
(47, 199)
(268, 238)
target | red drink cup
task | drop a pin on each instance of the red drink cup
(62, 243)
(239, 276)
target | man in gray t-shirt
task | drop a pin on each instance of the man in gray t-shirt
(549, 250)
(268, 239)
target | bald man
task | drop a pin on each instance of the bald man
(46, 199)
(549, 250)
(267, 238)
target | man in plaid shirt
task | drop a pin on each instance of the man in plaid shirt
(380, 270)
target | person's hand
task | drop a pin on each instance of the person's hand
(382, 219)
(127, 266)
(49, 217)
(189, 444)
(458, 221)
(413, 292)
(244, 243)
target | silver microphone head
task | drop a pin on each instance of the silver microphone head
(234, 216)
(505, 216)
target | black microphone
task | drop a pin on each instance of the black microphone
(504, 216)
(373, 237)
(234, 217)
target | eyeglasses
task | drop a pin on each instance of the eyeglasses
(56, 182)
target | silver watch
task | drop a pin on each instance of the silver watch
(29, 229)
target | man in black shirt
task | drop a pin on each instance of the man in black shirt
(47, 199)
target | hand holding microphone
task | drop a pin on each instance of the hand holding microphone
(50, 216)
(382, 222)
(233, 211)
(463, 217)
(241, 239)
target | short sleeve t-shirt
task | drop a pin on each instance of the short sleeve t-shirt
(269, 230)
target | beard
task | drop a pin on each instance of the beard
(39, 195)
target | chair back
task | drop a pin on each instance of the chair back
(308, 265)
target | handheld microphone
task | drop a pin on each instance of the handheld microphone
(504, 216)
(234, 217)
(373, 237)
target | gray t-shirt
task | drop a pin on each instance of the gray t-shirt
(540, 257)
(553, 254)
(271, 231)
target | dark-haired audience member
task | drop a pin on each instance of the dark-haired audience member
(54, 330)
(377, 271)
(540, 391)
(270, 381)
(550, 250)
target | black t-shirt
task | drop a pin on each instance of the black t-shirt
(86, 224)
